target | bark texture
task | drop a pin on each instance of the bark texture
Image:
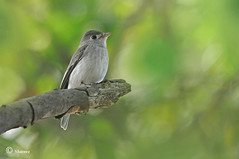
(59, 102)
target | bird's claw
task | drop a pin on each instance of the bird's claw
(85, 85)
(83, 111)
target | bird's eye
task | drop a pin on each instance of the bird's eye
(93, 37)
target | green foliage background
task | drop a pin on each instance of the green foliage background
(181, 57)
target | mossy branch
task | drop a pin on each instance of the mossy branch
(59, 102)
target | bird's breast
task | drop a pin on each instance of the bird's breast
(92, 68)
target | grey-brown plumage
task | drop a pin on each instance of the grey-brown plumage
(88, 65)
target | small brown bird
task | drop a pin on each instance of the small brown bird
(88, 65)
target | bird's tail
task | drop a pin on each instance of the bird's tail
(65, 121)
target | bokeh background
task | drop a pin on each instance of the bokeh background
(180, 56)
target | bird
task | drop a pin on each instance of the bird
(88, 65)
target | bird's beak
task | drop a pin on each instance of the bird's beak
(107, 34)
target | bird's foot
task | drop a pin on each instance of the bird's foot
(85, 85)
(83, 112)
(104, 81)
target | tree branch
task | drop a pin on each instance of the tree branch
(59, 102)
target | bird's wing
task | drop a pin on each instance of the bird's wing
(74, 61)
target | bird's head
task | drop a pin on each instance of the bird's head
(95, 37)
